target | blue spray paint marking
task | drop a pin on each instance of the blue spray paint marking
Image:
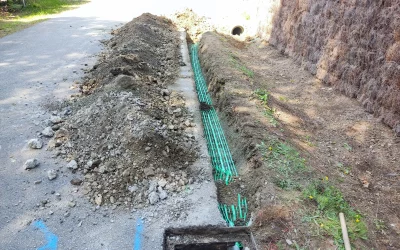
(138, 235)
(51, 238)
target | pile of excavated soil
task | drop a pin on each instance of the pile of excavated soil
(334, 134)
(193, 24)
(128, 134)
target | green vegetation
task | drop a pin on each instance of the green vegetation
(308, 141)
(18, 17)
(323, 202)
(330, 203)
(246, 71)
(380, 225)
(286, 161)
(342, 168)
(347, 146)
(283, 99)
(263, 96)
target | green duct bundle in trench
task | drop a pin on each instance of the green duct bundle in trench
(221, 158)
(235, 215)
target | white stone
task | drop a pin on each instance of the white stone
(153, 198)
(51, 174)
(48, 132)
(35, 143)
(72, 165)
(163, 195)
(55, 119)
(31, 163)
(162, 182)
(98, 199)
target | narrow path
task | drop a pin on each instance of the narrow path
(38, 65)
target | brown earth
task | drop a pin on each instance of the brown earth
(352, 45)
(129, 134)
(193, 24)
(332, 132)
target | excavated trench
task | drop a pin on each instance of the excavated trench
(224, 170)
(235, 212)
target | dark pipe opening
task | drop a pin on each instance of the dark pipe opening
(237, 30)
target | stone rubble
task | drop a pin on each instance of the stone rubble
(31, 164)
(35, 143)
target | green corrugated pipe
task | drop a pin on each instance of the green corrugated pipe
(232, 214)
(221, 157)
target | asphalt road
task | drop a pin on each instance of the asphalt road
(37, 66)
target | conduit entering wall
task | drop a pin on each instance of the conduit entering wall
(221, 157)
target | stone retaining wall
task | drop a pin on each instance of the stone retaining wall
(353, 45)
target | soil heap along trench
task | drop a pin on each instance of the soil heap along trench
(127, 133)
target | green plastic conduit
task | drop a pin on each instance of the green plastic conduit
(221, 157)
(234, 214)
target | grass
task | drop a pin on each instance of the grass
(308, 141)
(347, 146)
(236, 62)
(380, 225)
(269, 112)
(19, 17)
(330, 202)
(323, 202)
(344, 169)
(286, 161)
(283, 99)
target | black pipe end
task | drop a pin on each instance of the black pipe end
(237, 30)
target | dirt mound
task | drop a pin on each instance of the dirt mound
(146, 48)
(129, 135)
(194, 24)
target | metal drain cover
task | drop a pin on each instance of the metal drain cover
(209, 238)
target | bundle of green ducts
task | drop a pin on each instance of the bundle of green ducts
(218, 149)
(234, 215)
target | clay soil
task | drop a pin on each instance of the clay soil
(336, 136)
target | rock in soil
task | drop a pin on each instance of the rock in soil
(98, 199)
(76, 181)
(35, 143)
(51, 174)
(55, 119)
(48, 132)
(31, 163)
(72, 165)
(153, 198)
(163, 194)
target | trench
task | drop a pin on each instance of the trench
(224, 169)
(215, 150)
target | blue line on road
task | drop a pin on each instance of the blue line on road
(138, 235)
(51, 238)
